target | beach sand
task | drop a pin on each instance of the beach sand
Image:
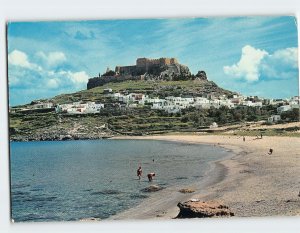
(251, 182)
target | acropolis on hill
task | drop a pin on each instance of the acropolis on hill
(144, 65)
(146, 69)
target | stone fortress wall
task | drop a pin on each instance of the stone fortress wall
(144, 64)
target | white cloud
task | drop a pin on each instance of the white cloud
(256, 63)
(75, 77)
(282, 64)
(79, 77)
(28, 77)
(248, 66)
(65, 79)
(288, 56)
(52, 83)
(52, 59)
(18, 58)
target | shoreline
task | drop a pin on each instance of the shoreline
(251, 182)
(164, 203)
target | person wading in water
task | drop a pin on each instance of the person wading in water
(150, 176)
(139, 172)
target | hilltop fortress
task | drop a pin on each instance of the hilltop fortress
(146, 69)
(144, 65)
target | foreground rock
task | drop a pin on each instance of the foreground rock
(152, 188)
(200, 209)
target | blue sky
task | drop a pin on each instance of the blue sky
(251, 55)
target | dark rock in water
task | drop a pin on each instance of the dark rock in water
(199, 209)
(106, 192)
(152, 188)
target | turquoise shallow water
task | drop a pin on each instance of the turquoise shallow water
(72, 180)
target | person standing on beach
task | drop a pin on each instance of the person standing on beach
(270, 151)
(244, 138)
(139, 172)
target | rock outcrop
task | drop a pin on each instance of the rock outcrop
(200, 209)
(152, 188)
(201, 75)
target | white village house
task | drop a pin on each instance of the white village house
(283, 108)
(42, 105)
(274, 118)
(79, 108)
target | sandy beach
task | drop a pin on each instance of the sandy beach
(251, 182)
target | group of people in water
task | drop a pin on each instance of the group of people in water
(139, 173)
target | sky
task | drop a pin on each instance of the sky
(250, 55)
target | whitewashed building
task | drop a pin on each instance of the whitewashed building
(214, 103)
(226, 103)
(201, 102)
(276, 101)
(159, 105)
(213, 125)
(133, 98)
(274, 118)
(44, 105)
(92, 107)
(283, 108)
(79, 108)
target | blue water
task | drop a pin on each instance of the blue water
(72, 180)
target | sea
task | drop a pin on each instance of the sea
(75, 180)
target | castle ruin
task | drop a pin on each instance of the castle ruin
(145, 65)
(144, 69)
